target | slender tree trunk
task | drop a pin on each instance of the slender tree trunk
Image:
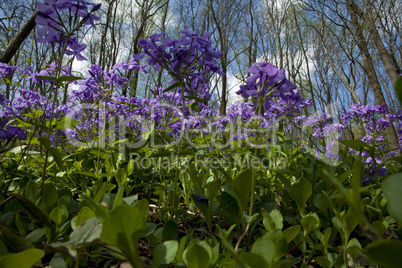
(17, 40)
(384, 54)
(224, 60)
(370, 70)
(102, 56)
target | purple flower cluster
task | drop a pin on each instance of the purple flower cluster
(375, 118)
(9, 132)
(190, 60)
(267, 85)
(55, 29)
(8, 70)
(321, 125)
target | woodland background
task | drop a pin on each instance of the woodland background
(337, 52)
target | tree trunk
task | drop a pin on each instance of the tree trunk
(370, 70)
(384, 54)
(17, 40)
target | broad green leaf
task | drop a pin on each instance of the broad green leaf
(213, 189)
(50, 194)
(45, 142)
(310, 223)
(242, 188)
(58, 261)
(283, 264)
(197, 256)
(121, 176)
(356, 145)
(272, 246)
(272, 220)
(104, 189)
(56, 216)
(83, 235)
(57, 157)
(386, 253)
(99, 209)
(300, 191)
(66, 123)
(32, 209)
(35, 236)
(122, 227)
(165, 253)
(85, 214)
(392, 189)
(324, 262)
(169, 231)
(291, 233)
(253, 260)
(353, 248)
(31, 191)
(17, 242)
(3, 249)
(24, 259)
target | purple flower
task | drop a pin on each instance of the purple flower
(201, 199)
(54, 30)
(3, 100)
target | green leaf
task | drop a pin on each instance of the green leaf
(32, 191)
(392, 189)
(100, 210)
(324, 262)
(283, 264)
(213, 189)
(24, 259)
(197, 255)
(177, 84)
(58, 261)
(165, 253)
(272, 220)
(300, 191)
(56, 216)
(272, 246)
(32, 209)
(358, 146)
(88, 232)
(291, 233)
(310, 223)
(45, 77)
(66, 123)
(398, 89)
(50, 194)
(253, 260)
(45, 142)
(242, 188)
(122, 227)
(18, 243)
(169, 231)
(121, 176)
(35, 236)
(386, 253)
(130, 167)
(181, 248)
(68, 78)
(57, 157)
(85, 214)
